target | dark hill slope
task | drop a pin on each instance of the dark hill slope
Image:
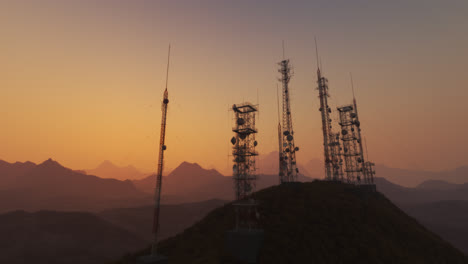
(65, 238)
(174, 217)
(318, 222)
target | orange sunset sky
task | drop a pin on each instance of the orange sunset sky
(82, 81)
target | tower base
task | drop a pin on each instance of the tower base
(244, 244)
(152, 259)
(369, 187)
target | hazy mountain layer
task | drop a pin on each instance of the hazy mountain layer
(62, 238)
(50, 186)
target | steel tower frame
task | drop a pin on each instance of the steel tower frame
(288, 149)
(336, 157)
(357, 124)
(352, 155)
(329, 144)
(244, 169)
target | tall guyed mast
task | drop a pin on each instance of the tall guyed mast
(288, 149)
(325, 110)
(359, 137)
(162, 148)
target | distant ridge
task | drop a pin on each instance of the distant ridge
(51, 186)
(189, 182)
(62, 237)
(109, 170)
(412, 178)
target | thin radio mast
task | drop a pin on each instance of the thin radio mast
(168, 60)
(289, 148)
(162, 148)
(283, 50)
(361, 161)
(316, 53)
(352, 87)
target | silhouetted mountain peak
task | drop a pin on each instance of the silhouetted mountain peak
(50, 163)
(192, 169)
(107, 169)
(188, 165)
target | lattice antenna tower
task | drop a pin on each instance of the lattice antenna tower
(162, 148)
(281, 163)
(328, 136)
(353, 168)
(359, 137)
(244, 169)
(289, 149)
(352, 143)
(369, 167)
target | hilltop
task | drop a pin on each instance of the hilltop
(317, 222)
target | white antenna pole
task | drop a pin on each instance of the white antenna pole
(168, 59)
(352, 85)
(283, 51)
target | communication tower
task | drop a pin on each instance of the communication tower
(351, 151)
(336, 157)
(244, 169)
(281, 163)
(154, 258)
(331, 145)
(288, 149)
(244, 242)
(357, 123)
(369, 167)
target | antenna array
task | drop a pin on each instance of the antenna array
(288, 167)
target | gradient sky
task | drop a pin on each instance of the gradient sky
(82, 81)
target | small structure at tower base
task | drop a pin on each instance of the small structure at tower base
(152, 259)
(244, 244)
(368, 187)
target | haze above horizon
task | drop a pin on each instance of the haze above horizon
(83, 80)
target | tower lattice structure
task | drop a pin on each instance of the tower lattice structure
(288, 166)
(366, 177)
(331, 146)
(244, 169)
(369, 171)
(336, 157)
(352, 153)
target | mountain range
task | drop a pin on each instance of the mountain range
(127, 205)
(50, 186)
